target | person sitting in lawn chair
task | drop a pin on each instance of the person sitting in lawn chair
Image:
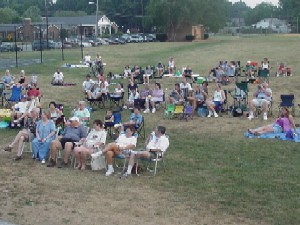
(21, 111)
(95, 139)
(82, 113)
(8, 79)
(157, 144)
(216, 101)
(58, 78)
(74, 132)
(176, 96)
(157, 96)
(26, 134)
(133, 96)
(88, 84)
(125, 141)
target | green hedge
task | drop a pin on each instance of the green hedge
(189, 37)
(162, 37)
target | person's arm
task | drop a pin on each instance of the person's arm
(37, 132)
(292, 122)
(223, 96)
(52, 129)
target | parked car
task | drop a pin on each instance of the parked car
(126, 37)
(38, 45)
(4, 48)
(58, 45)
(135, 38)
(120, 41)
(85, 44)
(11, 46)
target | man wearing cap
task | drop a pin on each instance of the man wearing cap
(73, 133)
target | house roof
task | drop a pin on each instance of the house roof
(9, 27)
(74, 20)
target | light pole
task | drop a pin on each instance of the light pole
(97, 9)
(47, 30)
(298, 24)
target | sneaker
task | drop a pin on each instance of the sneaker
(18, 158)
(62, 164)
(216, 115)
(109, 172)
(153, 110)
(147, 111)
(8, 148)
(125, 176)
(51, 163)
(43, 161)
(124, 107)
(265, 117)
(209, 115)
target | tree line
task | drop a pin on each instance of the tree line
(162, 16)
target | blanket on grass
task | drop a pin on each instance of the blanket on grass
(281, 136)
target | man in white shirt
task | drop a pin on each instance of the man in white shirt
(88, 84)
(185, 87)
(262, 98)
(158, 143)
(88, 59)
(58, 78)
(21, 110)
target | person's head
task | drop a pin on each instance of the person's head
(109, 112)
(129, 131)
(184, 80)
(218, 86)
(88, 77)
(177, 87)
(148, 67)
(81, 105)
(157, 86)
(74, 121)
(98, 124)
(46, 115)
(22, 73)
(285, 112)
(131, 81)
(52, 105)
(24, 98)
(160, 130)
(136, 110)
(34, 112)
(205, 84)
(119, 85)
(248, 62)
(265, 59)
(7, 73)
(171, 58)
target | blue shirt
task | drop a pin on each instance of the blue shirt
(45, 130)
(75, 133)
(137, 118)
(7, 79)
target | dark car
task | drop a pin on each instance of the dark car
(37, 45)
(15, 48)
(4, 49)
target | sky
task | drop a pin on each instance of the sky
(253, 3)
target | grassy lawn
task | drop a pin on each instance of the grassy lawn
(214, 175)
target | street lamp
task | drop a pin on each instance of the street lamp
(97, 9)
(47, 30)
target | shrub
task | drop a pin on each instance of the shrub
(162, 37)
(206, 36)
(189, 37)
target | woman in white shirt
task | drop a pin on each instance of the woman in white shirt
(95, 139)
(215, 102)
(171, 66)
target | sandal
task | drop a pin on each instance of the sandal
(8, 148)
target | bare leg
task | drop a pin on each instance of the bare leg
(54, 146)
(77, 152)
(68, 150)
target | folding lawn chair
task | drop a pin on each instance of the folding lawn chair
(178, 112)
(169, 113)
(263, 76)
(240, 96)
(287, 101)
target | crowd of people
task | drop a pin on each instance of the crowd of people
(40, 126)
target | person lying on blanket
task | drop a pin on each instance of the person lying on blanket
(284, 123)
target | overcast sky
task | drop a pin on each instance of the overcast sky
(253, 3)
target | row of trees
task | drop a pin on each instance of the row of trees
(150, 15)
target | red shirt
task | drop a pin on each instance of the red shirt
(33, 93)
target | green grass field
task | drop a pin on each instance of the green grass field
(214, 175)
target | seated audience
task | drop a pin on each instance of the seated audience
(199, 97)
(55, 113)
(135, 120)
(284, 123)
(131, 86)
(157, 144)
(22, 78)
(157, 95)
(45, 134)
(118, 92)
(160, 69)
(8, 79)
(88, 84)
(82, 113)
(185, 87)
(34, 92)
(109, 119)
(148, 74)
(262, 98)
(125, 141)
(176, 96)
(187, 73)
(133, 96)
(136, 72)
(249, 69)
(98, 91)
(58, 78)
(26, 134)
(88, 60)
(265, 65)
(21, 111)
(171, 65)
(95, 139)
(127, 71)
(72, 133)
(216, 101)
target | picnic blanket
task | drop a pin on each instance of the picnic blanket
(280, 136)
(74, 66)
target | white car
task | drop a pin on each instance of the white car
(85, 44)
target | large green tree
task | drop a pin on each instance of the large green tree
(261, 11)
(170, 15)
(34, 13)
(8, 15)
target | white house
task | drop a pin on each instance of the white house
(274, 24)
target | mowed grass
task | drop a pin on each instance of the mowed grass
(214, 175)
